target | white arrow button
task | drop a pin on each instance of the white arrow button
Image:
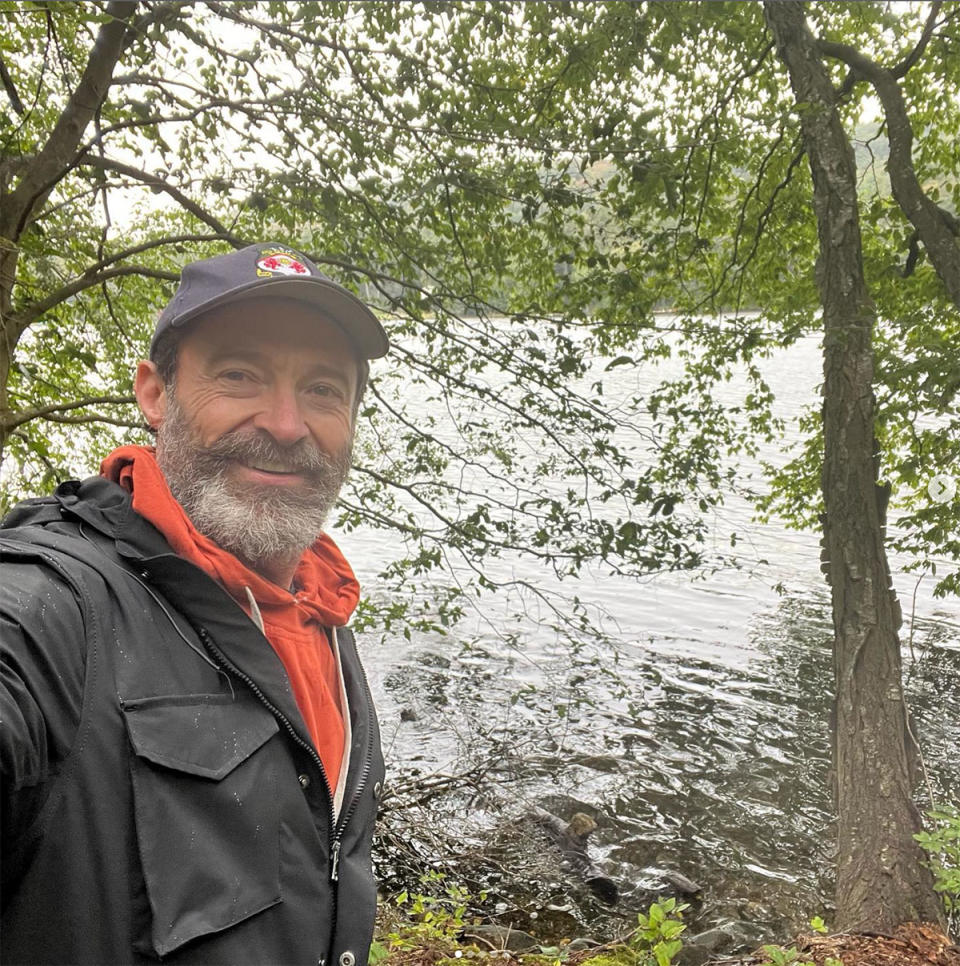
(942, 488)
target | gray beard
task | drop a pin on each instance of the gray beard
(257, 524)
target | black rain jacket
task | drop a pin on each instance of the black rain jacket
(162, 799)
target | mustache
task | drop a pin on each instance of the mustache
(247, 447)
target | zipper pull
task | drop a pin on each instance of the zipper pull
(335, 861)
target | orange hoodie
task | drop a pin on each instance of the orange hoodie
(295, 624)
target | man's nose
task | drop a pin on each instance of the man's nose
(282, 417)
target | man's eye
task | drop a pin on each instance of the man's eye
(235, 375)
(323, 390)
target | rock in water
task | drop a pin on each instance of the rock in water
(603, 887)
(682, 886)
(574, 836)
(571, 838)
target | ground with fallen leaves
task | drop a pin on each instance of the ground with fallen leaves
(914, 944)
(910, 945)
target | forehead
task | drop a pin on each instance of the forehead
(271, 328)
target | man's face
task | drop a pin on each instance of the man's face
(256, 436)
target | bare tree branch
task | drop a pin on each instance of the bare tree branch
(126, 253)
(10, 88)
(900, 69)
(50, 164)
(95, 418)
(49, 412)
(29, 314)
(9, 167)
(936, 228)
(155, 181)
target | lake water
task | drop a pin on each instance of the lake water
(695, 732)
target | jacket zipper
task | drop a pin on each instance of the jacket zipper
(337, 827)
(346, 815)
(228, 665)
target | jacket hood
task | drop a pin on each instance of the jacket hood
(98, 502)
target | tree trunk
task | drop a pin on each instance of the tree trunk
(40, 177)
(937, 228)
(881, 879)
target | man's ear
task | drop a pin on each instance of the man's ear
(151, 392)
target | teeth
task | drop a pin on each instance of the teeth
(270, 467)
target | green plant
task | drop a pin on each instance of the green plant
(942, 845)
(378, 953)
(655, 942)
(778, 956)
(432, 918)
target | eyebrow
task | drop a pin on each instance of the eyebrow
(250, 355)
(234, 353)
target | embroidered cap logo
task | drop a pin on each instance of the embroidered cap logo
(280, 262)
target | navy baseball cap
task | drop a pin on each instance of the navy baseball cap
(270, 270)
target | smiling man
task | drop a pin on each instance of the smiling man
(190, 757)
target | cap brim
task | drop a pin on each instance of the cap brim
(361, 326)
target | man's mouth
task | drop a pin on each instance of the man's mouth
(268, 466)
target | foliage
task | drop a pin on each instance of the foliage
(448, 205)
(942, 845)
(508, 184)
(518, 188)
(431, 919)
(431, 922)
(781, 956)
(656, 941)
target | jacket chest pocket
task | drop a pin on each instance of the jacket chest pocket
(206, 812)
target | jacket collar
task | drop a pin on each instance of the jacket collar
(107, 508)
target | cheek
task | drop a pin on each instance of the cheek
(214, 416)
(332, 432)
